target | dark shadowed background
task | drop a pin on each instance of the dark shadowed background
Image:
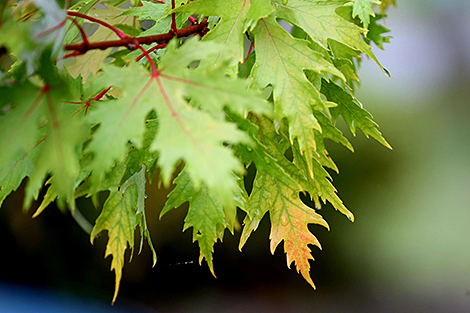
(407, 251)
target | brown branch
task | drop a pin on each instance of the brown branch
(125, 42)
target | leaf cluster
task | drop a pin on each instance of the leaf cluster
(243, 92)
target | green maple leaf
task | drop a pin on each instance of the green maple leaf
(24, 107)
(352, 112)
(206, 214)
(59, 156)
(138, 179)
(236, 16)
(363, 9)
(280, 62)
(124, 117)
(332, 133)
(118, 217)
(321, 187)
(12, 174)
(322, 23)
(122, 212)
(39, 121)
(192, 132)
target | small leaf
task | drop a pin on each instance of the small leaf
(138, 179)
(205, 215)
(363, 9)
(119, 219)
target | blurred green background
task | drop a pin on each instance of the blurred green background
(407, 251)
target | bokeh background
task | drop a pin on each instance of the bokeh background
(407, 251)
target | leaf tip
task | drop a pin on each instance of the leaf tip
(116, 290)
(350, 217)
(387, 72)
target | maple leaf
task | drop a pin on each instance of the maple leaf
(363, 9)
(320, 185)
(206, 214)
(138, 179)
(124, 118)
(292, 91)
(231, 28)
(12, 175)
(289, 220)
(57, 143)
(193, 134)
(19, 124)
(321, 22)
(119, 218)
(258, 152)
(122, 212)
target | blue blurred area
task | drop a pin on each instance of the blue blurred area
(16, 298)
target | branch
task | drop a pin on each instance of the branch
(125, 42)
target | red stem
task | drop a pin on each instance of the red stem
(24, 156)
(147, 56)
(161, 46)
(82, 32)
(88, 103)
(95, 20)
(26, 16)
(246, 59)
(92, 6)
(71, 54)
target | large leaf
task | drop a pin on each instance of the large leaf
(194, 135)
(280, 62)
